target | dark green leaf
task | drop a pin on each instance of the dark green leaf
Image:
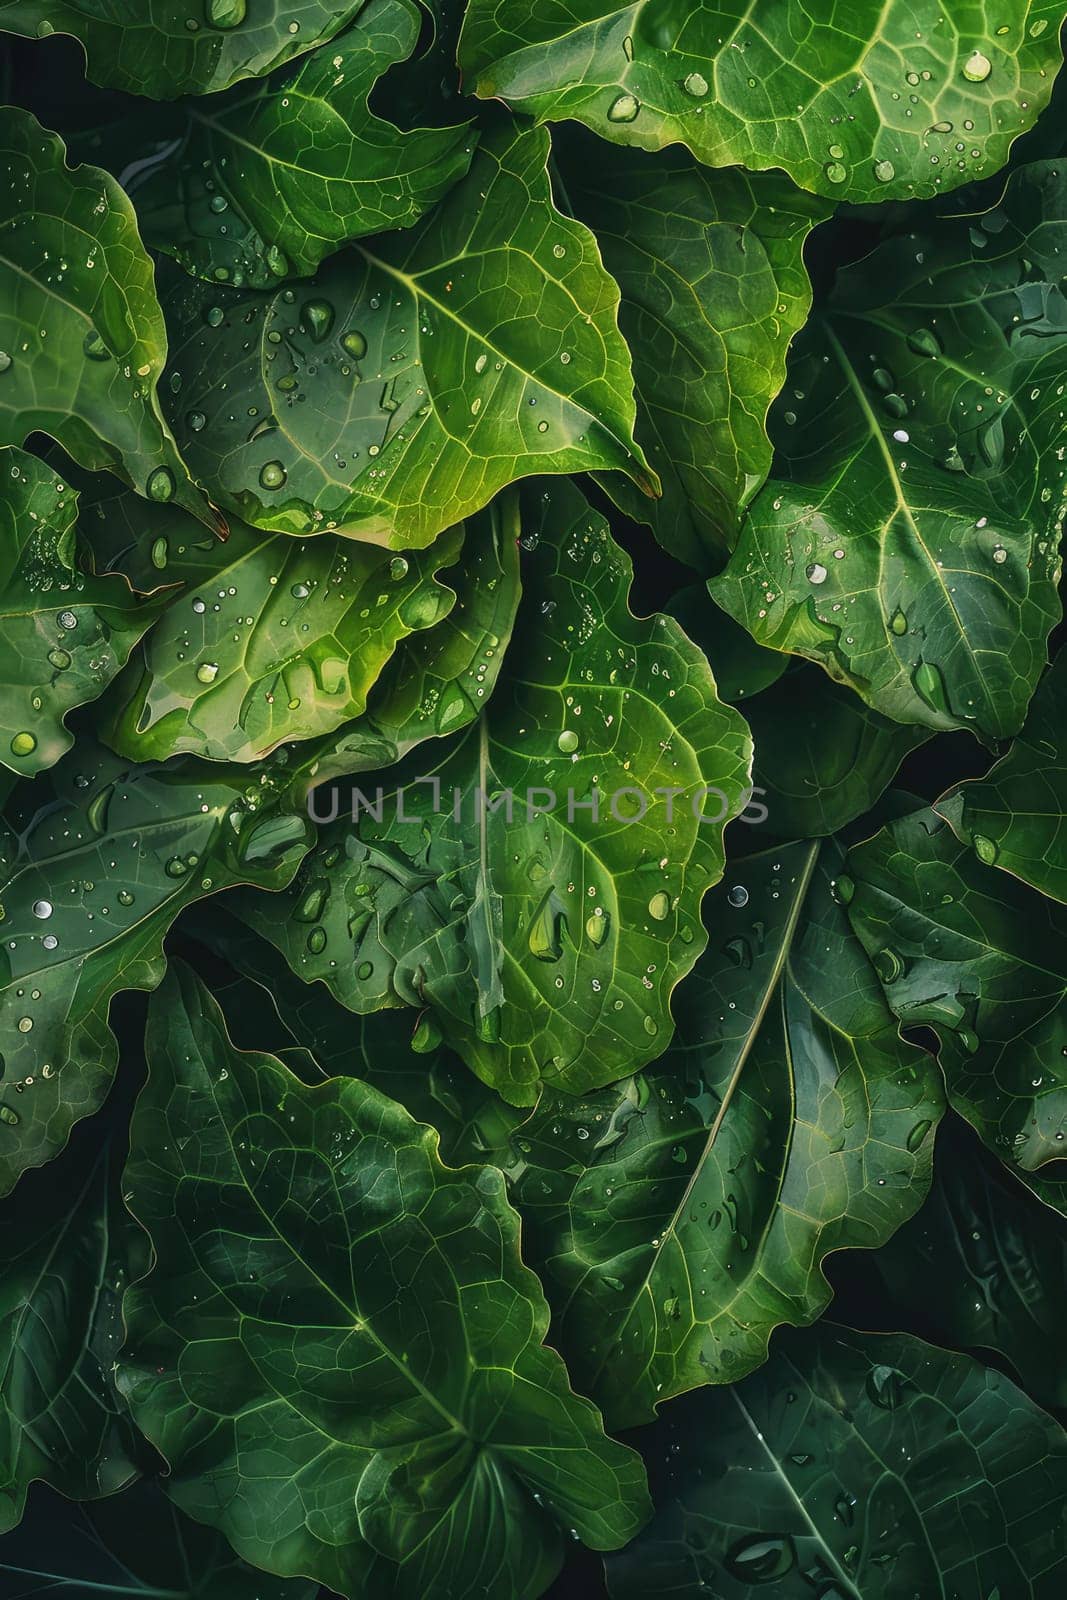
(547, 945)
(325, 1281)
(277, 175)
(679, 1217)
(713, 289)
(135, 1544)
(910, 541)
(742, 667)
(981, 959)
(883, 101)
(854, 1466)
(417, 376)
(82, 341)
(64, 632)
(983, 1265)
(69, 1248)
(165, 48)
(99, 858)
(1014, 817)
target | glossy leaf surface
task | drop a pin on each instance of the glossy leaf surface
(82, 341)
(329, 1282)
(172, 47)
(861, 106)
(97, 860)
(416, 376)
(679, 1217)
(713, 289)
(963, 949)
(64, 632)
(862, 1466)
(909, 542)
(1014, 818)
(278, 175)
(546, 942)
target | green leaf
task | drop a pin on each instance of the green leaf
(884, 102)
(980, 1267)
(82, 341)
(172, 47)
(713, 289)
(418, 375)
(547, 942)
(69, 1248)
(64, 632)
(133, 1544)
(968, 951)
(1013, 817)
(277, 175)
(742, 667)
(678, 1218)
(340, 1355)
(853, 1465)
(910, 542)
(97, 862)
(271, 639)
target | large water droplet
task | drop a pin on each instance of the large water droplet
(160, 485)
(659, 906)
(884, 171)
(984, 848)
(760, 1560)
(23, 744)
(695, 84)
(207, 672)
(42, 909)
(354, 342)
(624, 108)
(898, 622)
(816, 572)
(738, 896)
(567, 741)
(885, 1385)
(226, 13)
(272, 475)
(545, 938)
(318, 319)
(977, 67)
(930, 686)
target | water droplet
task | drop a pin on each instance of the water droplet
(836, 171)
(5, 361)
(624, 108)
(124, 897)
(567, 741)
(884, 171)
(316, 941)
(354, 342)
(651, 1026)
(196, 421)
(596, 928)
(160, 485)
(888, 965)
(213, 316)
(318, 319)
(272, 475)
(8, 1116)
(898, 622)
(23, 744)
(985, 849)
(885, 1385)
(659, 906)
(759, 1559)
(60, 659)
(696, 84)
(816, 572)
(398, 568)
(738, 896)
(930, 686)
(42, 909)
(977, 67)
(159, 553)
(207, 672)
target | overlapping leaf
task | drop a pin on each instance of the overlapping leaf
(980, 958)
(911, 540)
(274, 177)
(886, 101)
(97, 861)
(416, 376)
(713, 289)
(82, 341)
(1016, 817)
(679, 1217)
(981, 1267)
(545, 901)
(327, 1281)
(165, 48)
(271, 639)
(854, 1465)
(64, 632)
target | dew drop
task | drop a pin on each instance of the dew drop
(624, 108)
(977, 67)
(272, 475)
(160, 485)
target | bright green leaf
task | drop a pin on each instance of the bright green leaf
(883, 102)
(418, 374)
(277, 175)
(911, 540)
(325, 1280)
(713, 289)
(546, 943)
(82, 341)
(678, 1218)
